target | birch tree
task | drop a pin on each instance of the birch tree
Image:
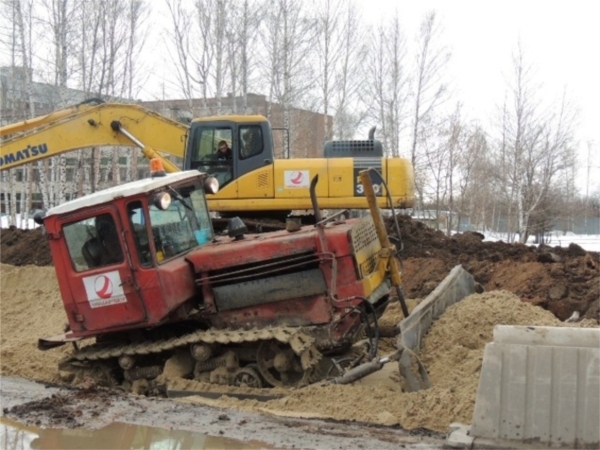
(288, 35)
(473, 182)
(537, 143)
(388, 87)
(429, 89)
(350, 75)
(329, 43)
(19, 39)
(200, 35)
(244, 20)
(60, 22)
(180, 34)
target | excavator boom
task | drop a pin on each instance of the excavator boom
(88, 125)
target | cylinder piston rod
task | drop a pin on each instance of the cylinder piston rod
(148, 152)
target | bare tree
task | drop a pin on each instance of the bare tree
(473, 181)
(242, 31)
(60, 22)
(536, 145)
(388, 87)
(436, 156)
(20, 15)
(181, 35)
(350, 75)
(329, 43)
(288, 34)
(137, 13)
(429, 89)
(203, 38)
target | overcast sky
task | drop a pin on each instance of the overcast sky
(560, 38)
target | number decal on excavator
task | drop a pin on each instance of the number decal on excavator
(359, 190)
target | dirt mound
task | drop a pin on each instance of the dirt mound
(562, 280)
(24, 247)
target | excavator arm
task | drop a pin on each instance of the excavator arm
(92, 125)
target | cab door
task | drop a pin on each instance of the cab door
(101, 278)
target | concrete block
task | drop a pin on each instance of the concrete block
(554, 336)
(459, 436)
(540, 385)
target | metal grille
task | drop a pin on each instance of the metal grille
(352, 149)
(366, 246)
(263, 180)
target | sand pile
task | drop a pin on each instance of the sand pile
(30, 307)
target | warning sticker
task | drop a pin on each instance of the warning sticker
(293, 179)
(104, 289)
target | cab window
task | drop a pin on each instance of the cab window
(207, 157)
(93, 242)
(183, 226)
(137, 221)
(207, 143)
(251, 141)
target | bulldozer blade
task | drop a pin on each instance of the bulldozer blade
(456, 286)
(215, 395)
(414, 382)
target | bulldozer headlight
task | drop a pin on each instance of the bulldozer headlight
(211, 185)
(162, 201)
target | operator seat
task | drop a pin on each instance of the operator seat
(92, 252)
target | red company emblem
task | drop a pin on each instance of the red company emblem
(103, 286)
(296, 177)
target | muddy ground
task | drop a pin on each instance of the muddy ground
(46, 406)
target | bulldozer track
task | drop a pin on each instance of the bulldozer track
(301, 343)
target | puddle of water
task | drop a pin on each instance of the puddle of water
(16, 436)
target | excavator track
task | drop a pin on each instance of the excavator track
(299, 340)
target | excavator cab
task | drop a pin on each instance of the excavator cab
(248, 137)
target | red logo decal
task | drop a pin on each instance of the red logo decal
(296, 178)
(103, 286)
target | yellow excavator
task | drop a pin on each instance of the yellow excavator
(251, 180)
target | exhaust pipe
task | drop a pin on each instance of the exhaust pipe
(313, 198)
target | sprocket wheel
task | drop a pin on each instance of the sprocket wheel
(247, 376)
(280, 366)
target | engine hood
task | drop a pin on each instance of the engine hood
(254, 248)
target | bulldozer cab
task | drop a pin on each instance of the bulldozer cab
(248, 137)
(111, 246)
